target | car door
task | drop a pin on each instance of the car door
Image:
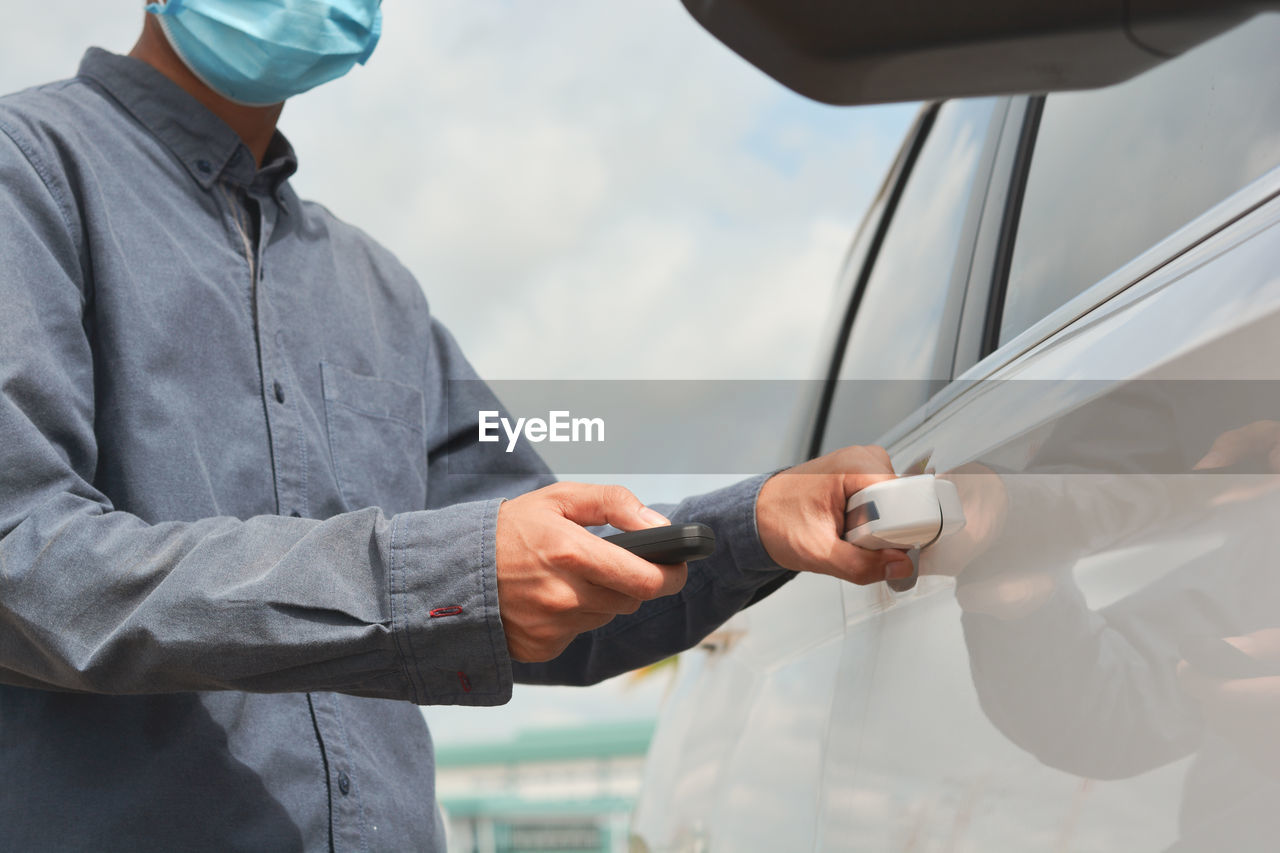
(736, 762)
(1044, 685)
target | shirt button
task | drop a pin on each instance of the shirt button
(279, 389)
(204, 166)
(344, 783)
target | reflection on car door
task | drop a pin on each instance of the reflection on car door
(1038, 689)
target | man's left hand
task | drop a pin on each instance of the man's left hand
(800, 515)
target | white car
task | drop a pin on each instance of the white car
(1070, 305)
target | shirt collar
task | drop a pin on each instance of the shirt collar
(205, 144)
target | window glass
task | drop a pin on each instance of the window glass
(893, 350)
(1116, 170)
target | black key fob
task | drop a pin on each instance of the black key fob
(675, 543)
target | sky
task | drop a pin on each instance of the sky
(585, 190)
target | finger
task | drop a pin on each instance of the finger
(605, 564)
(862, 566)
(588, 504)
(674, 577)
(1264, 645)
(856, 482)
(872, 460)
(635, 577)
(1230, 694)
(602, 600)
(1237, 443)
(875, 454)
(864, 466)
(549, 640)
(1223, 452)
(1259, 693)
(585, 622)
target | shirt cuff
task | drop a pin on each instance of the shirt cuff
(731, 512)
(444, 605)
(752, 555)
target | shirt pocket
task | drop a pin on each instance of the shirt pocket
(377, 440)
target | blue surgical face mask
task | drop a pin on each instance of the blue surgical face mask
(260, 52)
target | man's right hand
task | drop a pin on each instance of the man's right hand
(557, 580)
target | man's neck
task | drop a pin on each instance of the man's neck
(255, 125)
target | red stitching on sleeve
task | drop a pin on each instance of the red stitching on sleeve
(452, 610)
(464, 681)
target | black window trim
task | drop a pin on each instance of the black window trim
(1009, 225)
(903, 169)
(969, 243)
(975, 359)
(1258, 194)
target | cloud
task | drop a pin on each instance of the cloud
(42, 42)
(584, 189)
(596, 190)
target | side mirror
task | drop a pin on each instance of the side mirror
(873, 51)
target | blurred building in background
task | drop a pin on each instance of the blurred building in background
(546, 790)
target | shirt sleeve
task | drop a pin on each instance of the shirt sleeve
(99, 600)
(739, 573)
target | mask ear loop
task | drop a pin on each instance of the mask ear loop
(165, 7)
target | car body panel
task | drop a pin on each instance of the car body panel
(920, 766)
(1033, 690)
(710, 765)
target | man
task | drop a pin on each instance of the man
(229, 532)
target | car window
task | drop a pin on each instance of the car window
(895, 339)
(1116, 170)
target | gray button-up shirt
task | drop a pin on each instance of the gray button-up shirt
(225, 516)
